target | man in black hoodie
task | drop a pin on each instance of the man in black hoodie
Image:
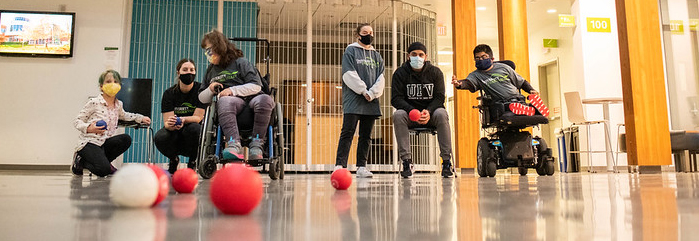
(419, 85)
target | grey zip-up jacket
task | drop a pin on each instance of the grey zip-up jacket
(362, 72)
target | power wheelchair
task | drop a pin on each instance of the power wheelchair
(211, 141)
(506, 144)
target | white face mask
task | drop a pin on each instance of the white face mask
(417, 62)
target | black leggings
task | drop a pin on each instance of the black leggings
(184, 141)
(349, 125)
(98, 159)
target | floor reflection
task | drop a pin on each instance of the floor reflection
(426, 207)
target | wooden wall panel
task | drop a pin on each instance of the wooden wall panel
(513, 34)
(466, 119)
(643, 83)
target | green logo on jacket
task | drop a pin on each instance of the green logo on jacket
(224, 76)
(369, 62)
(497, 78)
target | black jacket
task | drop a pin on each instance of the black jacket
(417, 90)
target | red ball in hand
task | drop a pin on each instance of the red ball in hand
(414, 115)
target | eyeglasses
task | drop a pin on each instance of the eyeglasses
(485, 56)
(208, 52)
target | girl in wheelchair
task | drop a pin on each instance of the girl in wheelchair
(241, 86)
(97, 122)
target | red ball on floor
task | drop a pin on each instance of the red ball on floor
(185, 180)
(236, 189)
(341, 179)
(163, 183)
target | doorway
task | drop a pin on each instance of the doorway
(550, 90)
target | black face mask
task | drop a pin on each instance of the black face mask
(187, 78)
(484, 64)
(366, 39)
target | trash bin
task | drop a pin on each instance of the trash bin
(568, 140)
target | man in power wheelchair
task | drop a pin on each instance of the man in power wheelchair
(504, 113)
(242, 111)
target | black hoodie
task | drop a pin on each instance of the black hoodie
(417, 90)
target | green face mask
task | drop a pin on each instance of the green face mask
(111, 89)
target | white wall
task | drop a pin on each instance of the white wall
(538, 55)
(598, 70)
(588, 63)
(42, 96)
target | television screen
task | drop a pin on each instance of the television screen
(36, 34)
(136, 94)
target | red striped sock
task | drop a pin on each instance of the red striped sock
(520, 109)
(539, 104)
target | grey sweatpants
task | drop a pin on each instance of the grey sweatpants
(438, 119)
(230, 106)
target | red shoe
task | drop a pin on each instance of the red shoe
(520, 109)
(539, 104)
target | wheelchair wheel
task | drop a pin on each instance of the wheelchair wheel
(274, 169)
(280, 140)
(522, 170)
(550, 167)
(483, 154)
(207, 167)
(280, 162)
(491, 169)
(541, 168)
(545, 161)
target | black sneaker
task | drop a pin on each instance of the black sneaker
(76, 168)
(192, 164)
(112, 168)
(407, 168)
(446, 169)
(173, 165)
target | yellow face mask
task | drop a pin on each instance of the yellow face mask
(111, 89)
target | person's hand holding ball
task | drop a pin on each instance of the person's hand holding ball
(174, 123)
(101, 124)
(97, 127)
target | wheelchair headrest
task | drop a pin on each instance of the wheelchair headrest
(507, 62)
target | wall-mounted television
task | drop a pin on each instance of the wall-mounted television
(36, 34)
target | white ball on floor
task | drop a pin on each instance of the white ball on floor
(134, 186)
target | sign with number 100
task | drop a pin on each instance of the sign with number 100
(599, 25)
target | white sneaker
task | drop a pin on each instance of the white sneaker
(363, 172)
(337, 167)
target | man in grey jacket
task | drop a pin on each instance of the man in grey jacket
(362, 85)
(419, 85)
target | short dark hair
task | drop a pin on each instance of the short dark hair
(359, 28)
(185, 60)
(114, 73)
(483, 48)
(221, 46)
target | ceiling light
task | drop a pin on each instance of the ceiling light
(480, 8)
(551, 11)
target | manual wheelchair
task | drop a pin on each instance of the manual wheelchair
(211, 141)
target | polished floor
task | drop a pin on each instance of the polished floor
(57, 206)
